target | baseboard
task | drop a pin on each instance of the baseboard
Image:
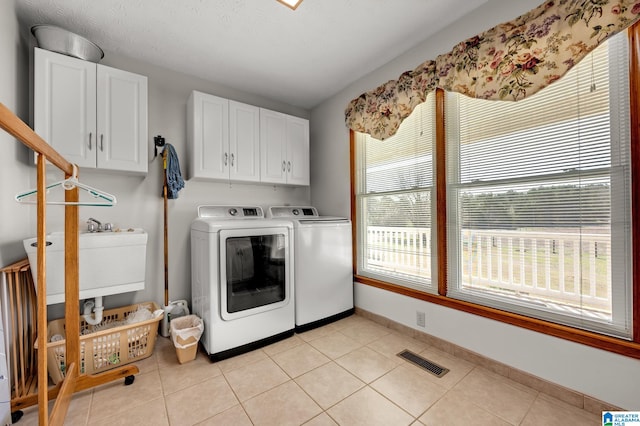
(569, 396)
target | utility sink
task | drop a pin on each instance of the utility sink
(109, 263)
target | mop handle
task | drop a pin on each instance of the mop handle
(166, 227)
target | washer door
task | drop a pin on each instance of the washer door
(254, 271)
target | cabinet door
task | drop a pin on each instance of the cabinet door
(244, 142)
(121, 120)
(272, 147)
(297, 151)
(208, 136)
(65, 105)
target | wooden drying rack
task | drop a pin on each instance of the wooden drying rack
(73, 381)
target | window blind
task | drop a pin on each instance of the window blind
(394, 201)
(538, 198)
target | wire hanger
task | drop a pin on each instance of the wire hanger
(102, 198)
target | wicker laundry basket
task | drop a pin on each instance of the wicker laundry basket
(105, 348)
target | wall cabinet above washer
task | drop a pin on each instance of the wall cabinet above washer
(94, 115)
(232, 141)
(284, 148)
(223, 139)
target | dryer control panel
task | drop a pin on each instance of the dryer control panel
(304, 211)
(293, 211)
(231, 212)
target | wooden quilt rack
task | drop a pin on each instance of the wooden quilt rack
(73, 381)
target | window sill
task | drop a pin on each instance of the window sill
(599, 341)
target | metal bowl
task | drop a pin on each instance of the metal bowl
(59, 40)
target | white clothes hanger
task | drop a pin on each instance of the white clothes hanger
(102, 198)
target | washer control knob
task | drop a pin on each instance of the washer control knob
(233, 212)
(295, 212)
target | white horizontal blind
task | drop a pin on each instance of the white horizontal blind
(536, 190)
(394, 201)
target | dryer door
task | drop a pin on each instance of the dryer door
(254, 271)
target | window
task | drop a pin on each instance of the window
(538, 204)
(538, 198)
(394, 192)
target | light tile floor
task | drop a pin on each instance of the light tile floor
(345, 373)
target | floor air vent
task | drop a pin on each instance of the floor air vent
(423, 363)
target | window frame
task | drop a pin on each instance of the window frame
(630, 348)
(362, 195)
(567, 122)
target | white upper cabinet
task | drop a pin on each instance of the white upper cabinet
(297, 151)
(284, 148)
(65, 105)
(273, 150)
(122, 120)
(224, 139)
(232, 141)
(93, 115)
(244, 142)
(208, 136)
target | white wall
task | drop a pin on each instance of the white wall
(140, 202)
(13, 172)
(603, 375)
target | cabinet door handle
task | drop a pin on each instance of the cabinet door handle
(226, 157)
(90, 136)
(288, 166)
(232, 159)
(101, 142)
(284, 166)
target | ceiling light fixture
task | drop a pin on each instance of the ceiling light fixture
(292, 4)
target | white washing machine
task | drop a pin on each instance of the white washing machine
(242, 274)
(323, 265)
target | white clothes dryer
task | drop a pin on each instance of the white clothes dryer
(323, 265)
(242, 273)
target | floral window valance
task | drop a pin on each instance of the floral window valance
(508, 62)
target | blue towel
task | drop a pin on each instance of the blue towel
(174, 178)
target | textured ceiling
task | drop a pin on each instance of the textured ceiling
(299, 57)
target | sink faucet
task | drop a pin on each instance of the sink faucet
(94, 225)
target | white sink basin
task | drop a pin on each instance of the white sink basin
(109, 263)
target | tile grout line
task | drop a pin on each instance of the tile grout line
(293, 379)
(338, 402)
(162, 388)
(530, 407)
(449, 390)
(90, 407)
(368, 385)
(331, 360)
(481, 368)
(388, 399)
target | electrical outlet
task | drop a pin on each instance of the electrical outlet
(420, 319)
